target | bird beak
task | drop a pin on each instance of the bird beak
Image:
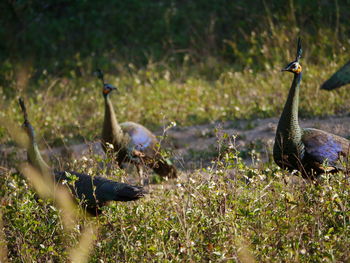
(114, 88)
(111, 87)
(285, 69)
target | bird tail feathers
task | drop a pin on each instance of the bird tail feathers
(130, 193)
(164, 168)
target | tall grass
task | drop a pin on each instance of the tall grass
(228, 212)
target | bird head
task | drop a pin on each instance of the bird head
(107, 88)
(295, 66)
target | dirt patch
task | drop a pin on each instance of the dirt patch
(257, 134)
(194, 147)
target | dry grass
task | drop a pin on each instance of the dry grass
(228, 212)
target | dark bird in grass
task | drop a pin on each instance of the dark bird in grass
(92, 191)
(338, 79)
(310, 151)
(131, 141)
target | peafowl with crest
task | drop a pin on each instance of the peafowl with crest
(338, 79)
(308, 150)
(93, 191)
(131, 141)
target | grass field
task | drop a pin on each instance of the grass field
(156, 96)
(227, 212)
(221, 64)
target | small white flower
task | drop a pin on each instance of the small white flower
(109, 145)
(303, 251)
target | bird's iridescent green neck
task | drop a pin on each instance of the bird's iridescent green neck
(110, 116)
(111, 128)
(105, 95)
(288, 124)
(289, 117)
(33, 152)
(30, 130)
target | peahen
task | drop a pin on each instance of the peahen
(93, 191)
(131, 141)
(338, 79)
(310, 151)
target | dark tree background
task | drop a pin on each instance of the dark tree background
(65, 35)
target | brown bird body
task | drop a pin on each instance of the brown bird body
(131, 141)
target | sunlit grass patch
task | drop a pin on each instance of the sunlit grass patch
(228, 211)
(72, 109)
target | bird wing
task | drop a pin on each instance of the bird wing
(144, 145)
(141, 139)
(82, 187)
(323, 147)
(338, 79)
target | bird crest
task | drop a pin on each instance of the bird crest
(107, 88)
(100, 75)
(299, 50)
(294, 66)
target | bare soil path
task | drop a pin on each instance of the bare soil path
(195, 146)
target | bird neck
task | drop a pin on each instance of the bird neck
(288, 125)
(35, 158)
(111, 127)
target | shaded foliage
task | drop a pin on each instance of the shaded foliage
(57, 34)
